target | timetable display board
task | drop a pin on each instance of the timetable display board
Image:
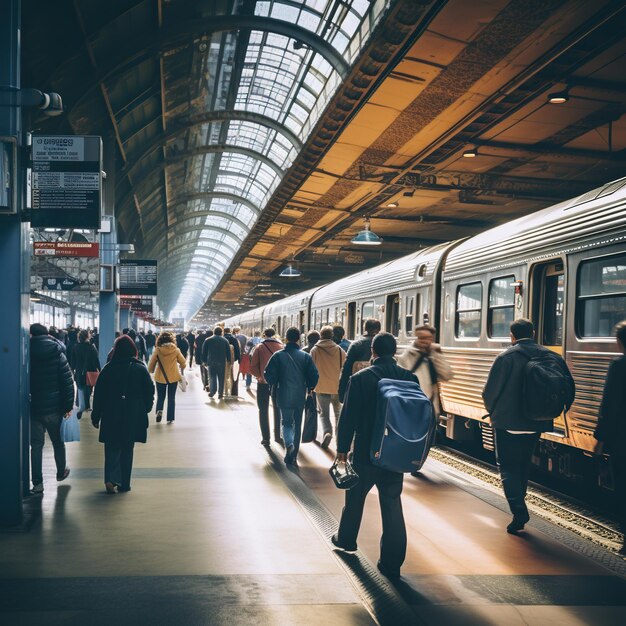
(65, 266)
(138, 277)
(65, 181)
(139, 304)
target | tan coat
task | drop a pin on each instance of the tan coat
(171, 357)
(329, 359)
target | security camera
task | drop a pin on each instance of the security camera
(52, 104)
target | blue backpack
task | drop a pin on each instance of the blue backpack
(404, 426)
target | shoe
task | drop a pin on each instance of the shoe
(248, 387)
(265, 442)
(170, 421)
(517, 524)
(289, 456)
(123, 489)
(335, 541)
(220, 397)
(389, 573)
(211, 394)
(279, 441)
(416, 473)
(79, 414)
(159, 416)
(328, 437)
(63, 475)
(38, 488)
(110, 487)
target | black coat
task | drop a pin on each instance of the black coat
(502, 394)
(216, 351)
(612, 421)
(51, 381)
(359, 410)
(235, 344)
(359, 350)
(183, 345)
(84, 359)
(122, 420)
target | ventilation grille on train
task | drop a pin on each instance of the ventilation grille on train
(489, 442)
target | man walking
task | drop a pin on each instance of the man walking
(517, 430)
(356, 422)
(251, 344)
(191, 339)
(52, 398)
(359, 355)
(216, 354)
(294, 372)
(234, 371)
(261, 354)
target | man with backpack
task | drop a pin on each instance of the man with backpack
(528, 386)
(358, 421)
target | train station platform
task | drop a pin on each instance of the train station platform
(217, 530)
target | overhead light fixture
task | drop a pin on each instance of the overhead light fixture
(393, 205)
(290, 272)
(558, 97)
(470, 153)
(366, 237)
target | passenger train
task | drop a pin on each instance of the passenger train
(563, 267)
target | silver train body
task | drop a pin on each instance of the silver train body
(564, 267)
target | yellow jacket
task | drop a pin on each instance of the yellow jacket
(170, 357)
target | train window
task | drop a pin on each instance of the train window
(327, 316)
(392, 311)
(501, 306)
(367, 311)
(409, 310)
(469, 310)
(601, 296)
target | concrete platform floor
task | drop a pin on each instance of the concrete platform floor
(215, 532)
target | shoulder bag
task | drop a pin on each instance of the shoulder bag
(167, 380)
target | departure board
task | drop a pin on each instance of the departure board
(138, 277)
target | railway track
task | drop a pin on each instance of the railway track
(549, 505)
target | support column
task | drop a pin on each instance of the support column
(124, 318)
(14, 314)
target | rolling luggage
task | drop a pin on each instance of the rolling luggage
(404, 426)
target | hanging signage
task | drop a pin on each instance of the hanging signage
(65, 266)
(138, 277)
(139, 304)
(65, 189)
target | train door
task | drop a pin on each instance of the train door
(392, 314)
(351, 320)
(301, 322)
(548, 311)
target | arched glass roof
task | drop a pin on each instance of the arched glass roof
(224, 171)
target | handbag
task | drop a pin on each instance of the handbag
(70, 428)
(309, 427)
(343, 475)
(182, 383)
(91, 378)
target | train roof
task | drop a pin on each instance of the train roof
(583, 221)
(296, 301)
(392, 276)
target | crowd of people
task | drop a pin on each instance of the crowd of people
(341, 376)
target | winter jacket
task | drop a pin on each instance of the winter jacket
(502, 394)
(612, 420)
(329, 359)
(235, 344)
(216, 351)
(84, 359)
(359, 350)
(170, 357)
(292, 370)
(191, 340)
(431, 369)
(183, 345)
(51, 381)
(261, 354)
(123, 397)
(359, 410)
(150, 340)
(140, 344)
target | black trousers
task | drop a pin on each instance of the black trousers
(389, 485)
(204, 374)
(118, 463)
(263, 395)
(170, 390)
(514, 453)
(618, 460)
(50, 424)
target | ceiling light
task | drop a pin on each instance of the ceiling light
(393, 205)
(558, 97)
(366, 237)
(290, 272)
(470, 153)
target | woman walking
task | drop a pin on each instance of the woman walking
(168, 358)
(123, 397)
(84, 359)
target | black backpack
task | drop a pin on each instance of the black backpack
(547, 386)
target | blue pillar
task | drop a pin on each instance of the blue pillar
(124, 318)
(15, 261)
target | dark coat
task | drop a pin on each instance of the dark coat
(216, 351)
(502, 394)
(150, 340)
(612, 420)
(51, 381)
(294, 372)
(358, 413)
(359, 350)
(84, 359)
(191, 340)
(123, 421)
(183, 345)
(235, 344)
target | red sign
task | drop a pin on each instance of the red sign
(66, 248)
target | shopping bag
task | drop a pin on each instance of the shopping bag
(91, 378)
(70, 428)
(309, 428)
(343, 475)
(182, 383)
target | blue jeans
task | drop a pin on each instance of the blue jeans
(216, 378)
(170, 389)
(292, 427)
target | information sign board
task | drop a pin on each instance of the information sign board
(138, 277)
(65, 266)
(65, 188)
(139, 304)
